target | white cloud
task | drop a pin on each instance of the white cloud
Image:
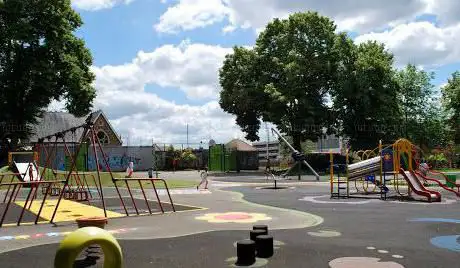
(94, 5)
(145, 118)
(56, 106)
(193, 68)
(191, 14)
(357, 15)
(420, 43)
(446, 10)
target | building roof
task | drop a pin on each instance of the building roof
(54, 122)
(240, 146)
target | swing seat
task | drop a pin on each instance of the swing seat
(55, 191)
(76, 195)
(80, 195)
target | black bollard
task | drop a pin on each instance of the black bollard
(264, 246)
(254, 233)
(246, 252)
(260, 227)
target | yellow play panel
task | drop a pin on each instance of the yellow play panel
(68, 210)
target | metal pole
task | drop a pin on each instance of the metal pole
(66, 183)
(155, 159)
(294, 150)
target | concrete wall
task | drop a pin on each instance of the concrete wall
(118, 158)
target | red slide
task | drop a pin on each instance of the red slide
(439, 183)
(418, 187)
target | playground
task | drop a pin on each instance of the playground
(383, 210)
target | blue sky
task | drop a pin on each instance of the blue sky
(116, 35)
(174, 82)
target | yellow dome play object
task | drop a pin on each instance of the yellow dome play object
(74, 243)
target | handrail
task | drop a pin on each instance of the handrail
(445, 177)
(439, 183)
(152, 180)
(17, 186)
(2, 175)
(29, 183)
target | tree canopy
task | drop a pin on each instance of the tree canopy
(364, 100)
(304, 78)
(284, 79)
(451, 100)
(41, 60)
(421, 115)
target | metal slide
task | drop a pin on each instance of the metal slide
(23, 169)
(418, 188)
(363, 168)
(439, 183)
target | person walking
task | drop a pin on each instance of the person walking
(204, 179)
(268, 166)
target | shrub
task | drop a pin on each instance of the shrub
(437, 160)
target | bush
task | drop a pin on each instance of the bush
(437, 160)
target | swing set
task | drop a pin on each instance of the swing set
(71, 184)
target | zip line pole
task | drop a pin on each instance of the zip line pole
(295, 151)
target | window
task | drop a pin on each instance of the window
(103, 137)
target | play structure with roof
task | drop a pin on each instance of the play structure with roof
(391, 166)
(36, 194)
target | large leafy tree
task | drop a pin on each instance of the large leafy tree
(414, 99)
(451, 100)
(40, 60)
(284, 79)
(364, 101)
(420, 109)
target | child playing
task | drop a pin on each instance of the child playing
(424, 168)
(130, 170)
(204, 179)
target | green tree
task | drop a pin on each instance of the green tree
(415, 98)
(40, 60)
(188, 156)
(451, 101)
(307, 146)
(364, 101)
(434, 131)
(284, 79)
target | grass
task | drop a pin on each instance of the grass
(106, 180)
(4, 169)
(449, 170)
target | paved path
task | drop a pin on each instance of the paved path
(310, 230)
(221, 210)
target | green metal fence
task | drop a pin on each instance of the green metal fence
(81, 159)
